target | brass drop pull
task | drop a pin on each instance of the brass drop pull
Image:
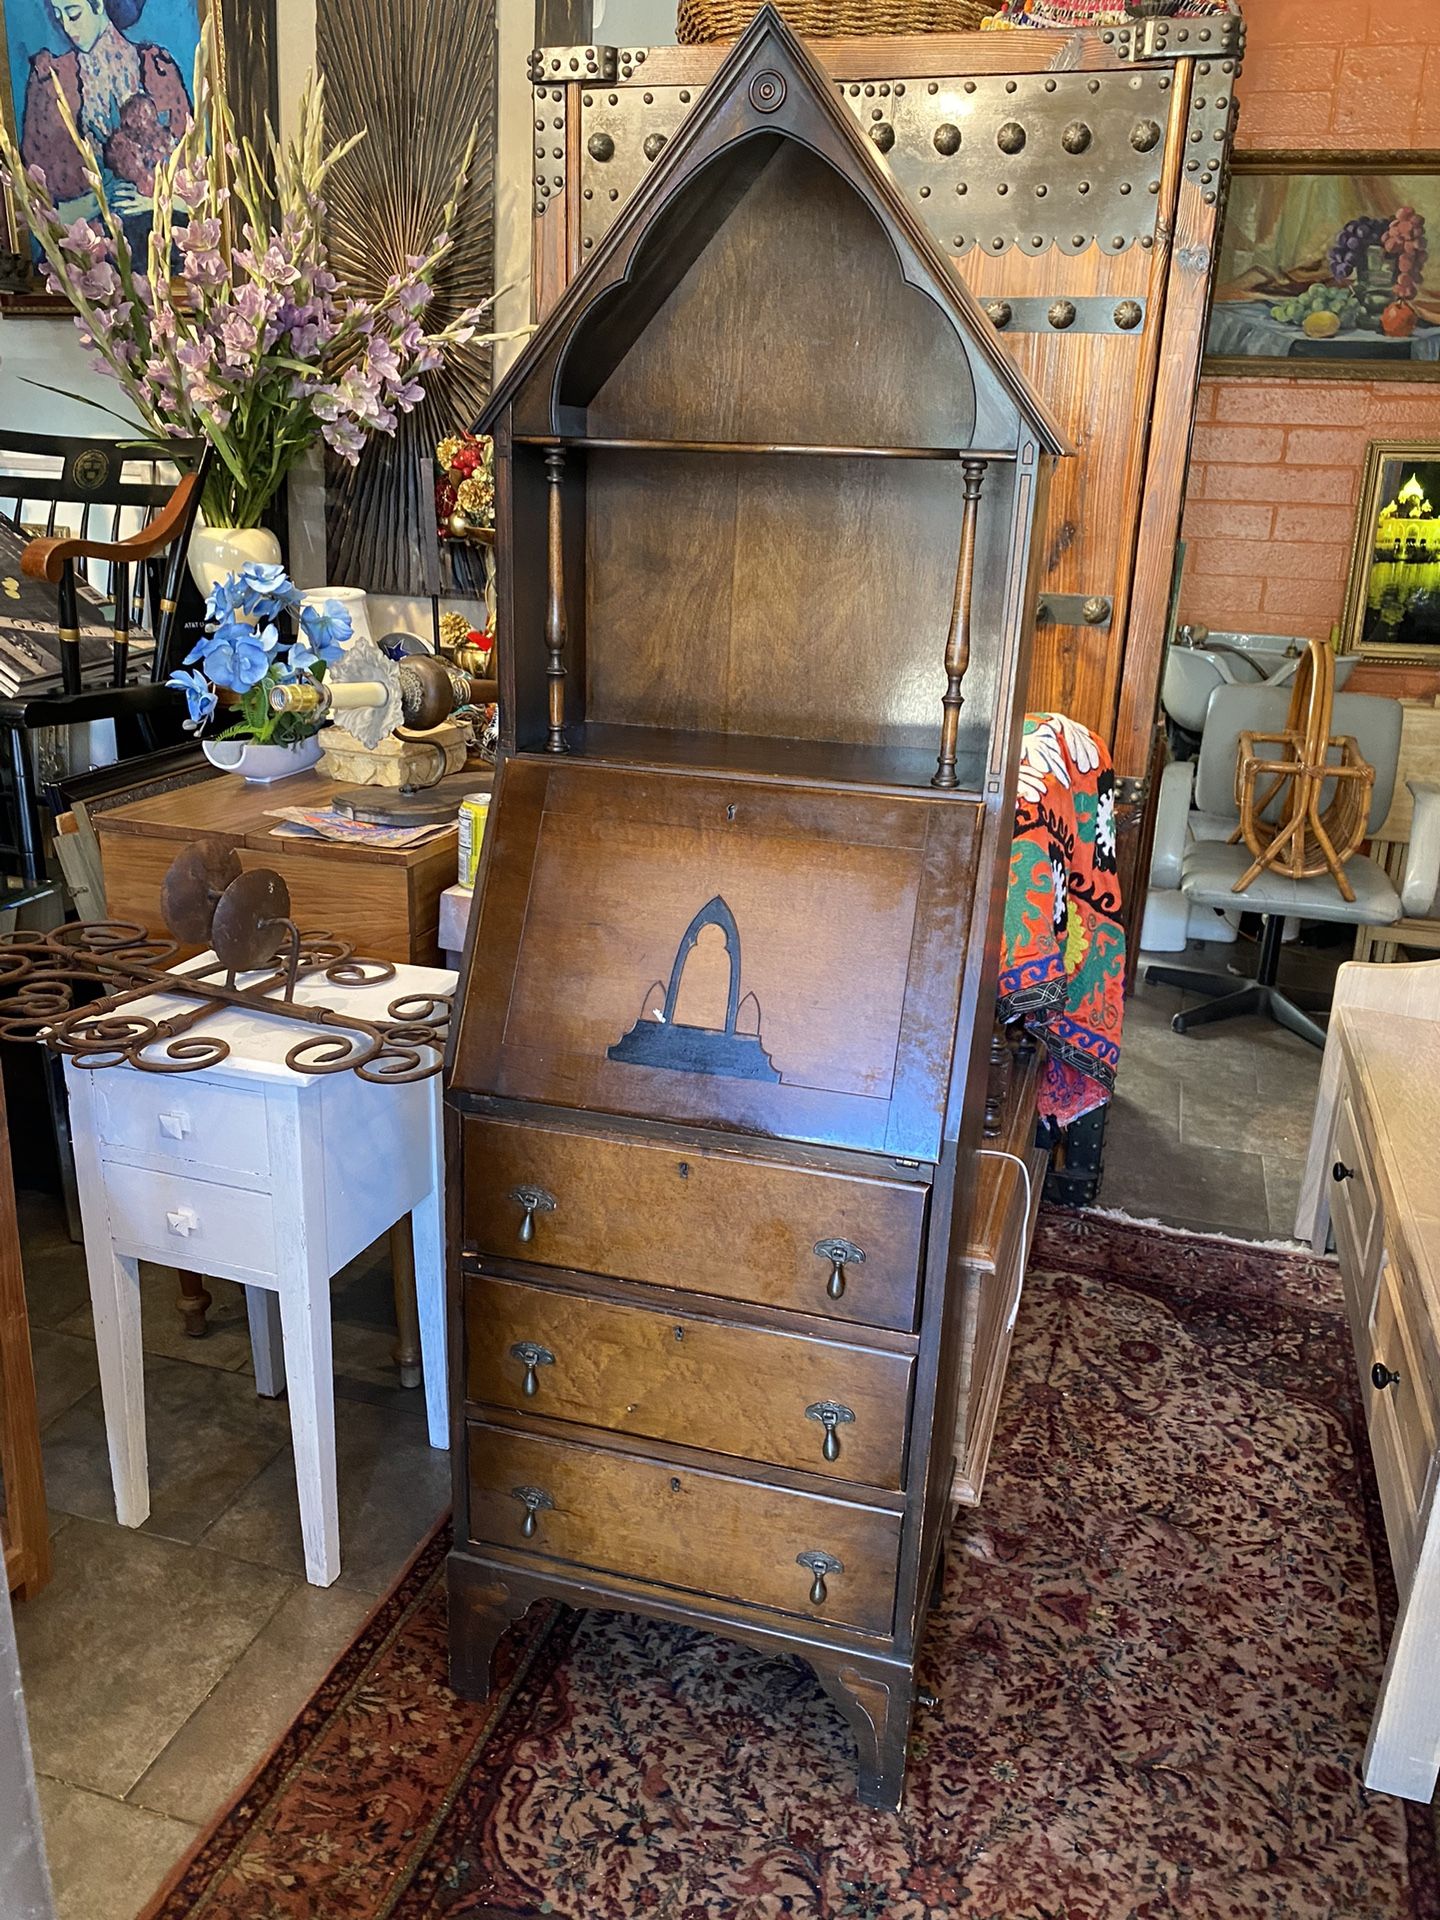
(840, 1254)
(534, 1200)
(831, 1415)
(535, 1500)
(821, 1565)
(531, 1355)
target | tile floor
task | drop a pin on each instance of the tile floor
(160, 1666)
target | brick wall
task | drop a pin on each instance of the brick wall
(1275, 470)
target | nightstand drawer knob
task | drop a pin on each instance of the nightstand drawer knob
(174, 1126)
(1341, 1172)
(1382, 1376)
(821, 1566)
(533, 1200)
(184, 1221)
(531, 1355)
(535, 1500)
(831, 1415)
(840, 1254)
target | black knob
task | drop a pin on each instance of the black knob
(1382, 1376)
(1341, 1172)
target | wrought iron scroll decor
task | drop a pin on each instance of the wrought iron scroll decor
(415, 78)
(79, 989)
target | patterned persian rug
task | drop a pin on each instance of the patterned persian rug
(1155, 1659)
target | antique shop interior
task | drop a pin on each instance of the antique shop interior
(720, 959)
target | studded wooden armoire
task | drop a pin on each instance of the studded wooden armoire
(766, 489)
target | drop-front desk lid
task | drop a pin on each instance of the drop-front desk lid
(780, 959)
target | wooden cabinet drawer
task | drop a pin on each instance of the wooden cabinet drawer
(1353, 1204)
(706, 1533)
(701, 1220)
(697, 1382)
(176, 1118)
(1402, 1412)
(190, 1223)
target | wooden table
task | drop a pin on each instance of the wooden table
(386, 900)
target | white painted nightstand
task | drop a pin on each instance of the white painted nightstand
(272, 1178)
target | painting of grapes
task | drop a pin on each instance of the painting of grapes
(1329, 272)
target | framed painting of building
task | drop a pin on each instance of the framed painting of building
(1326, 268)
(1392, 601)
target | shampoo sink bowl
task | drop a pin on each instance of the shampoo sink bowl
(1199, 661)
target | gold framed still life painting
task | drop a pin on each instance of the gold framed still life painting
(1326, 268)
(1392, 600)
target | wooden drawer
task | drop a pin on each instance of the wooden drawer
(190, 1223)
(700, 1220)
(697, 1382)
(706, 1533)
(1353, 1202)
(177, 1119)
(1402, 1414)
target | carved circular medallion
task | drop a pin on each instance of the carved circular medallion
(1011, 137)
(999, 312)
(653, 144)
(90, 470)
(1144, 135)
(600, 147)
(883, 134)
(1061, 314)
(1129, 314)
(767, 92)
(947, 138)
(1076, 137)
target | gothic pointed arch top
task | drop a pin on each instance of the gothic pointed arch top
(769, 90)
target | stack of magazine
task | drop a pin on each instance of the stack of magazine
(30, 629)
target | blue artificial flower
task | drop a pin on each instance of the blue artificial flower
(323, 633)
(268, 590)
(226, 597)
(236, 656)
(199, 695)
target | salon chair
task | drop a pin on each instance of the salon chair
(1197, 814)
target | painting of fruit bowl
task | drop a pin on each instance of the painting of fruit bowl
(1329, 272)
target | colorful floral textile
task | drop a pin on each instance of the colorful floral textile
(1062, 960)
(1154, 1660)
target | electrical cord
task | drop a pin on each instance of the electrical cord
(998, 1153)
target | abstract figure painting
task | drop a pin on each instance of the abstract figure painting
(658, 1039)
(125, 69)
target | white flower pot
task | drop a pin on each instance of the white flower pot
(261, 763)
(217, 552)
(352, 599)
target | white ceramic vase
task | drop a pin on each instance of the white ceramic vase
(352, 599)
(260, 763)
(216, 552)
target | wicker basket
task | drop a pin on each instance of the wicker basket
(702, 20)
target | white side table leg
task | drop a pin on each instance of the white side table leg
(309, 1377)
(427, 1225)
(115, 1301)
(262, 1309)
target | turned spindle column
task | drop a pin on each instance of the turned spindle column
(957, 643)
(555, 633)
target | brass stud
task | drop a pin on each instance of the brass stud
(614, 99)
(1011, 137)
(1037, 239)
(1076, 137)
(1082, 186)
(947, 138)
(959, 241)
(899, 88)
(1094, 86)
(648, 98)
(1118, 242)
(1144, 135)
(589, 193)
(614, 193)
(587, 99)
(883, 134)
(1125, 186)
(1128, 314)
(869, 93)
(600, 147)
(653, 144)
(1077, 239)
(924, 193)
(1210, 198)
(1004, 187)
(1049, 86)
(969, 86)
(962, 186)
(877, 113)
(999, 312)
(998, 245)
(1147, 239)
(1041, 191)
(684, 96)
(589, 242)
(934, 87)
(1061, 314)
(1010, 86)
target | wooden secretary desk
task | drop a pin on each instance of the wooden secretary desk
(766, 494)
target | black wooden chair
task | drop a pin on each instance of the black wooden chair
(99, 484)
